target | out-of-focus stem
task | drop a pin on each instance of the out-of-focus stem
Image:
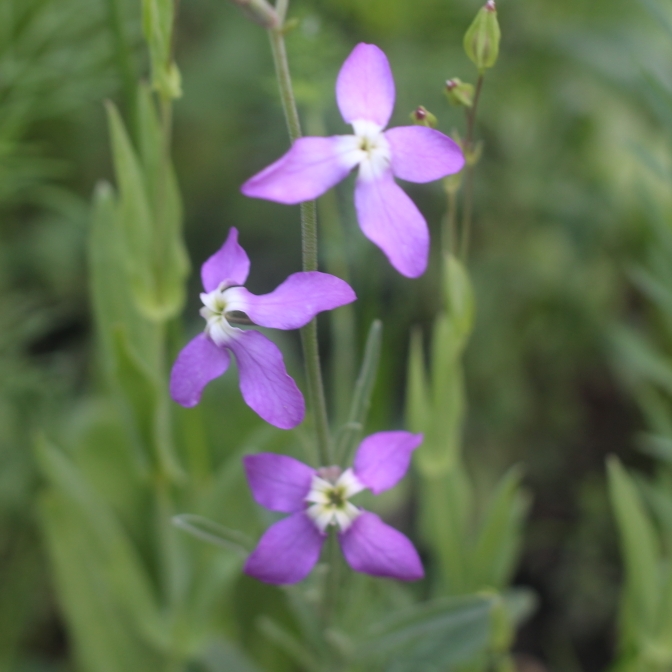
(449, 237)
(124, 61)
(469, 172)
(309, 342)
(342, 320)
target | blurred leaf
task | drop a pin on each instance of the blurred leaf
(101, 536)
(642, 359)
(288, 643)
(500, 535)
(157, 25)
(361, 400)
(146, 406)
(102, 638)
(156, 262)
(210, 531)
(640, 548)
(418, 409)
(460, 304)
(657, 446)
(430, 636)
(222, 656)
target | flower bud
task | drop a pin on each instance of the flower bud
(459, 93)
(423, 117)
(481, 41)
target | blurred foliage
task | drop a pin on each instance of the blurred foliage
(575, 109)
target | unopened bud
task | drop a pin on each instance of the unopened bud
(459, 93)
(481, 41)
(421, 116)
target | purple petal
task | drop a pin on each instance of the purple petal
(287, 551)
(421, 154)
(278, 482)
(372, 547)
(389, 218)
(295, 302)
(306, 171)
(229, 263)
(264, 382)
(382, 459)
(365, 86)
(199, 362)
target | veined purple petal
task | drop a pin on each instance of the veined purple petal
(295, 302)
(421, 154)
(264, 382)
(389, 218)
(306, 171)
(372, 547)
(199, 362)
(229, 263)
(365, 86)
(383, 459)
(278, 482)
(287, 551)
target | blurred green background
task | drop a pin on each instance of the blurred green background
(576, 149)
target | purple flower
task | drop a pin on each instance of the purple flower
(387, 216)
(289, 549)
(264, 383)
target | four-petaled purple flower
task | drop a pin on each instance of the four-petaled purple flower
(264, 382)
(289, 549)
(387, 216)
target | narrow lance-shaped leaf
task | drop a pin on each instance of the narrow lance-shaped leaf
(361, 400)
(214, 533)
(430, 636)
(640, 549)
(157, 25)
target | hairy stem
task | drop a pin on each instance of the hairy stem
(309, 342)
(469, 172)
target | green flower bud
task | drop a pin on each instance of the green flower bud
(423, 117)
(481, 41)
(459, 93)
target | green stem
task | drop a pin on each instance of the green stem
(449, 237)
(124, 61)
(309, 342)
(469, 172)
(342, 320)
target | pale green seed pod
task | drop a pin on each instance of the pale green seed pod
(481, 41)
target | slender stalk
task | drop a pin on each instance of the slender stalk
(449, 234)
(469, 172)
(124, 60)
(309, 342)
(342, 320)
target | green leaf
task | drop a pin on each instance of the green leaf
(101, 537)
(429, 636)
(286, 641)
(214, 533)
(361, 400)
(460, 304)
(157, 25)
(150, 216)
(113, 304)
(146, 406)
(223, 656)
(642, 360)
(640, 548)
(103, 637)
(499, 538)
(418, 410)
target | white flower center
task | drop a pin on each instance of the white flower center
(215, 306)
(329, 494)
(368, 147)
